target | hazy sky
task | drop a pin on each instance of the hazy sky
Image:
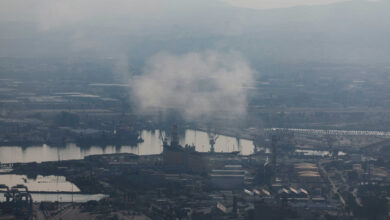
(331, 31)
(267, 4)
(178, 48)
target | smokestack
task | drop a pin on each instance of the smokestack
(175, 136)
(234, 205)
(274, 150)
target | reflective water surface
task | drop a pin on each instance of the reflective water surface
(48, 184)
(40, 184)
(152, 145)
(60, 197)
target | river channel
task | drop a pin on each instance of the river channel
(152, 145)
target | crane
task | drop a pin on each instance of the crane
(212, 140)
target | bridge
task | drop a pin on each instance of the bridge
(328, 132)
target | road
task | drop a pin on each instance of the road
(334, 187)
(357, 199)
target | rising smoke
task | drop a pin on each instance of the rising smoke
(195, 84)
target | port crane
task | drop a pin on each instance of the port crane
(212, 140)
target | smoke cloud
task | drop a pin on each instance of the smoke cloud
(196, 84)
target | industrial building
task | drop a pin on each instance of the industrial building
(230, 177)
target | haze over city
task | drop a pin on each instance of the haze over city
(218, 109)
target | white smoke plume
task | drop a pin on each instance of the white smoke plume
(196, 84)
